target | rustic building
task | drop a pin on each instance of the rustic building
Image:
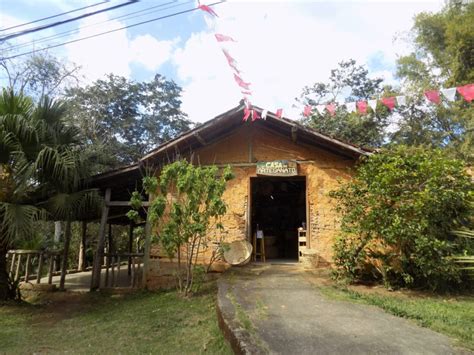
(283, 173)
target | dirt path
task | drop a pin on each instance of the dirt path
(285, 314)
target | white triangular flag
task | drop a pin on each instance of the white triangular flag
(350, 106)
(450, 93)
(401, 100)
(264, 114)
(321, 109)
(373, 104)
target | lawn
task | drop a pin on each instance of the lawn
(142, 322)
(450, 315)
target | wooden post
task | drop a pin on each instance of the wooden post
(111, 248)
(130, 247)
(51, 267)
(96, 269)
(132, 278)
(117, 280)
(67, 241)
(27, 267)
(17, 273)
(40, 268)
(82, 248)
(146, 256)
(12, 265)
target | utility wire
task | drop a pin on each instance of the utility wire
(40, 28)
(124, 17)
(111, 31)
(53, 16)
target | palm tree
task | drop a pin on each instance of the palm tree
(38, 158)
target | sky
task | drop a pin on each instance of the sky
(280, 47)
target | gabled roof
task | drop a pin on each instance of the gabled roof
(222, 125)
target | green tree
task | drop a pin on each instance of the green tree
(443, 56)
(351, 82)
(38, 159)
(121, 119)
(190, 199)
(397, 217)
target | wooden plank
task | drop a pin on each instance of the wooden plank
(200, 138)
(17, 273)
(12, 265)
(95, 279)
(118, 271)
(50, 271)
(27, 267)
(294, 134)
(124, 204)
(40, 268)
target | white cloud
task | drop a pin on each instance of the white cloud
(115, 52)
(285, 46)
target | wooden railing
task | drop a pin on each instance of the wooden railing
(27, 264)
(465, 264)
(114, 269)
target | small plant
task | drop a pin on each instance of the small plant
(186, 207)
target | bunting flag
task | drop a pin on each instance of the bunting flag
(307, 110)
(362, 107)
(320, 109)
(331, 108)
(264, 114)
(433, 96)
(241, 83)
(467, 91)
(208, 9)
(373, 105)
(255, 115)
(248, 93)
(231, 61)
(246, 114)
(224, 38)
(279, 113)
(401, 100)
(389, 102)
(350, 106)
(449, 94)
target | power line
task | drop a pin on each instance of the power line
(53, 16)
(40, 28)
(107, 32)
(126, 17)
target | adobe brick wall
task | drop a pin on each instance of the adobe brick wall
(251, 144)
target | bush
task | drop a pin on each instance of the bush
(397, 214)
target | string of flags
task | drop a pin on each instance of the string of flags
(432, 96)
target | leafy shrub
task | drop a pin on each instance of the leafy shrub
(397, 214)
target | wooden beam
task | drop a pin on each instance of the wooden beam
(200, 138)
(96, 269)
(130, 247)
(294, 133)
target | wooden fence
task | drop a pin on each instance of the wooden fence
(115, 265)
(25, 265)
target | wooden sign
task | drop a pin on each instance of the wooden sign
(277, 168)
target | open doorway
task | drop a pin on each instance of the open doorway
(278, 208)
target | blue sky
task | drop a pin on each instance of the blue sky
(281, 46)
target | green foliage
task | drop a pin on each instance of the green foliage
(442, 57)
(190, 197)
(351, 81)
(397, 214)
(120, 119)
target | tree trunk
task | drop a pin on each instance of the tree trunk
(57, 237)
(4, 286)
(81, 264)
(67, 241)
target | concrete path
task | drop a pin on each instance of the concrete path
(274, 309)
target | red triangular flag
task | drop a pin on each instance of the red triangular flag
(224, 38)
(231, 61)
(389, 102)
(246, 92)
(279, 113)
(241, 83)
(331, 108)
(246, 114)
(433, 96)
(208, 10)
(467, 91)
(255, 115)
(362, 107)
(307, 110)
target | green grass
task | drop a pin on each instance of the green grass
(453, 317)
(145, 322)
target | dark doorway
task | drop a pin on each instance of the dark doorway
(278, 207)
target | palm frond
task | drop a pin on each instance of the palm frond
(17, 220)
